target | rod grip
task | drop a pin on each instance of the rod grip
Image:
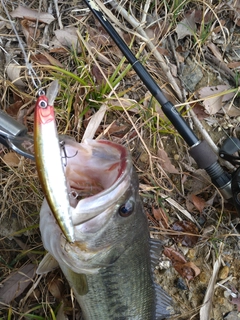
(203, 155)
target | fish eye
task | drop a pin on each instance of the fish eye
(126, 209)
(43, 104)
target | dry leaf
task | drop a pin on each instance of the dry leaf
(214, 104)
(13, 71)
(215, 51)
(165, 162)
(160, 216)
(45, 58)
(11, 159)
(174, 256)
(68, 38)
(187, 26)
(29, 31)
(16, 283)
(55, 286)
(94, 123)
(33, 15)
(233, 65)
(187, 270)
(199, 111)
(198, 202)
(190, 238)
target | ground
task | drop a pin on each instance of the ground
(191, 49)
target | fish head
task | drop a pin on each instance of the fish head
(106, 208)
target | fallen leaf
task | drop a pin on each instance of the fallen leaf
(161, 217)
(174, 255)
(190, 238)
(214, 104)
(233, 65)
(13, 71)
(33, 15)
(11, 159)
(215, 51)
(55, 286)
(187, 26)
(165, 162)
(198, 202)
(187, 270)
(29, 31)
(68, 38)
(16, 283)
(45, 58)
(199, 111)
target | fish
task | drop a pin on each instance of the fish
(109, 266)
(49, 162)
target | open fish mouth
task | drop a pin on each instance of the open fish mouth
(98, 175)
(95, 172)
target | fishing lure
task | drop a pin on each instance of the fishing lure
(49, 161)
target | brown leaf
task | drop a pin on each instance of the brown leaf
(11, 159)
(33, 15)
(16, 283)
(29, 31)
(160, 216)
(199, 111)
(45, 58)
(215, 51)
(234, 64)
(189, 239)
(187, 270)
(165, 162)
(198, 202)
(214, 104)
(187, 26)
(55, 286)
(174, 256)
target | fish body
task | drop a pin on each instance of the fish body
(50, 167)
(109, 264)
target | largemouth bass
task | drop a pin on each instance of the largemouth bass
(109, 264)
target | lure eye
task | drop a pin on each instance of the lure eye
(126, 209)
(43, 104)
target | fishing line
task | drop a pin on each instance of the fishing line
(31, 71)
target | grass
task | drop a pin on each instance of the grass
(88, 81)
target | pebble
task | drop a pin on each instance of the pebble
(203, 278)
(223, 273)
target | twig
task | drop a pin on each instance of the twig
(207, 302)
(145, 11)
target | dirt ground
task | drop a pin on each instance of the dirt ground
(192, 51)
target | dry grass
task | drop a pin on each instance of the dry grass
(88, 78)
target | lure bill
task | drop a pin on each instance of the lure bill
(49, 161)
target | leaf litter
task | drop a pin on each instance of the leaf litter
(186, 212)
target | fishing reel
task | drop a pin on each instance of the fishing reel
(228, 151)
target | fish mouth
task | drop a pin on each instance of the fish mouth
(97, 173)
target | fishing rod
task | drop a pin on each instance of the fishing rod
(206, 159)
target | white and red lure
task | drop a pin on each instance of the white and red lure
(49, 161)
